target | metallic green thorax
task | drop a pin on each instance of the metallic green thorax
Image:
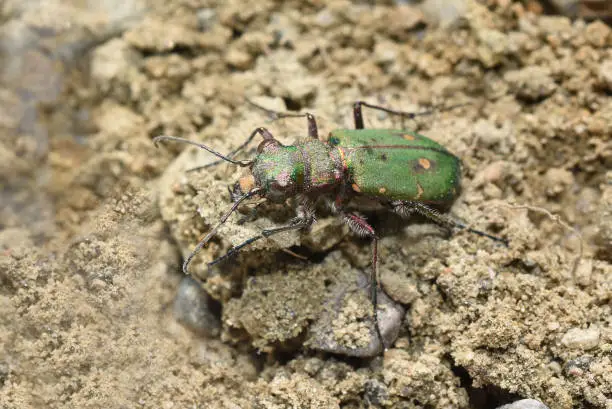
(283, 171)
(398, 165)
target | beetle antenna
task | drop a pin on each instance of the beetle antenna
(223, 219)
(241, 163)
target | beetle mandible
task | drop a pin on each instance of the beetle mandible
(402, 169)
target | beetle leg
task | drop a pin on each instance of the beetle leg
(358, 111)
(305, 218)
(295, 224)
(361, 227)
(405, 208)
(252, 215)
(211, 233)
(313, 131)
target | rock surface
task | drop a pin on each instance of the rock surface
(95, 221)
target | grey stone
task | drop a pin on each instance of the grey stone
(531, 83)
(191, 308)
(605, 74)
(207, 18)
(524, 404)
(577, 338)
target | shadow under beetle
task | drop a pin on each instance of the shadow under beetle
(401, 169)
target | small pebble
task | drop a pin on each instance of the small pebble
(491, 191)
(524, 404)
(487, 133)
(578, 366)
(191, 308)
(557, 180)
(206, 18)
(577, 338)
(555, 367)
(598, 33)
(239, 59)
(325, 19)
(376, 392)
(605, 74)
(444, 12)
(531, 83)
(492, 173)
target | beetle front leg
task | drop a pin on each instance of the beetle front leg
(305, 218)
(361, 227)
(295, 224)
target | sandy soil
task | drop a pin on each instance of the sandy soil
(94, 219)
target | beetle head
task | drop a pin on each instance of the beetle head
(277, 171)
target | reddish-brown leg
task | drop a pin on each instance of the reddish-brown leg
(358, 111)
(313, 131)
(361, 227)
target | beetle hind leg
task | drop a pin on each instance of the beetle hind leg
(361, 227)
(406, 208)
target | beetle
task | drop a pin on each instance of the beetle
(403, 170)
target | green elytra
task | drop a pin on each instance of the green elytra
(403, 170)
(399, 165)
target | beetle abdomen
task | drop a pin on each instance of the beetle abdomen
(398, 165)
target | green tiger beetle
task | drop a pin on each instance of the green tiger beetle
(401, 169)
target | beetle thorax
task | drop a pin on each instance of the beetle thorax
(284, 171)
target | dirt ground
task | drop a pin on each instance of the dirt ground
(95, 220)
